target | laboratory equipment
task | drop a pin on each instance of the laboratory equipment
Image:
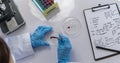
(46, 6)
(10, 18)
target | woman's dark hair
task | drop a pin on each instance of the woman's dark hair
(4, 52)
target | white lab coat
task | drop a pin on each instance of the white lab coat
(20, 45)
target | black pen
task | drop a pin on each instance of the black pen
(107, 49)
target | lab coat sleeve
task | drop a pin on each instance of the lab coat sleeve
(20, 46)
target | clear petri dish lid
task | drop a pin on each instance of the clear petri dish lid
(71, 27)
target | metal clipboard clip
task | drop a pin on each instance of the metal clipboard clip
(100, 7)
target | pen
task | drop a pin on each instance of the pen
(106, 49)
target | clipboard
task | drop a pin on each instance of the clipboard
(97, 18)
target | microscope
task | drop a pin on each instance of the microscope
(10, 18)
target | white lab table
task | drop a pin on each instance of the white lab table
(81, 51)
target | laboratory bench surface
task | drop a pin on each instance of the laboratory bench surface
(81, 51)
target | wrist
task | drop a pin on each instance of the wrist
(32, 44)
(32, 41)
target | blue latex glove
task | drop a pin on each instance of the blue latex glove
(64, 48)
(38, 35)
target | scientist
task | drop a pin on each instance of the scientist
(24, 48)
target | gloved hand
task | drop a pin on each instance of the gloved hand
(38, 35)
(64, 48)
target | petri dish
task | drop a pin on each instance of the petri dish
(71, 27)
